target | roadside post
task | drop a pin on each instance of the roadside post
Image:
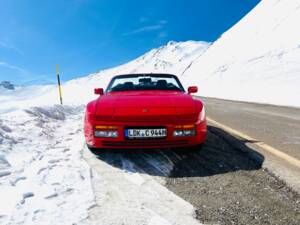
(59, 85)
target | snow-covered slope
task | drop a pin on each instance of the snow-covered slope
(257, 60)
(25, 96)
(174, 57)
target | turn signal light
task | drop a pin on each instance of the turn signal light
(187, 126)
(105, 127)
(106, 131)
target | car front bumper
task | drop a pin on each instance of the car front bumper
(121, 142)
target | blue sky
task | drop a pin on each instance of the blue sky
(84, 36)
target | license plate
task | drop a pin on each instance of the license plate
(145, 133)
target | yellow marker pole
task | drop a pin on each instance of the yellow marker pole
(59, 86)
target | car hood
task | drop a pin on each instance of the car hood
(150, 106)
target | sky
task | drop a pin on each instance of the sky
(85, 36)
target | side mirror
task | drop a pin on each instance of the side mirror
(192, 89)
(99, 91)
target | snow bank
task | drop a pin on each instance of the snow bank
(25, 96)
(43, 178)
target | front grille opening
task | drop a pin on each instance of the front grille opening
(144, 143)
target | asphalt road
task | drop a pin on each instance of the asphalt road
(276, 126)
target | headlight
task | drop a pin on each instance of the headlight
(184, 133)
(106, 133)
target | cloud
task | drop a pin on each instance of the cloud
(13, 67)
(148, 28)
(163, 21)
(162, 34)
(14, 73)
(19, 71)
(144, 29)
(10, 46)
(28, 77)
(43, 79)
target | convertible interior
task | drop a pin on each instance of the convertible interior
(146, 84)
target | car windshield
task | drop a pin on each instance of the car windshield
(145, 82)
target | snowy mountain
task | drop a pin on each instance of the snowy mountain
(173, 57)
(257, 60)
(7, 85)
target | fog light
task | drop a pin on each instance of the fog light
(177, 133)
(184, 133)
(106, 133)
(189, 132)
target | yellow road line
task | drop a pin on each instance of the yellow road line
(260, 144)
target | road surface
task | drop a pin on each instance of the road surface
(275, 125)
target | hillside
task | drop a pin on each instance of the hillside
(257, 60)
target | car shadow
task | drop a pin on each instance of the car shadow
(222, 153)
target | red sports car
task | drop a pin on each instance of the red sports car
(145, 111)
